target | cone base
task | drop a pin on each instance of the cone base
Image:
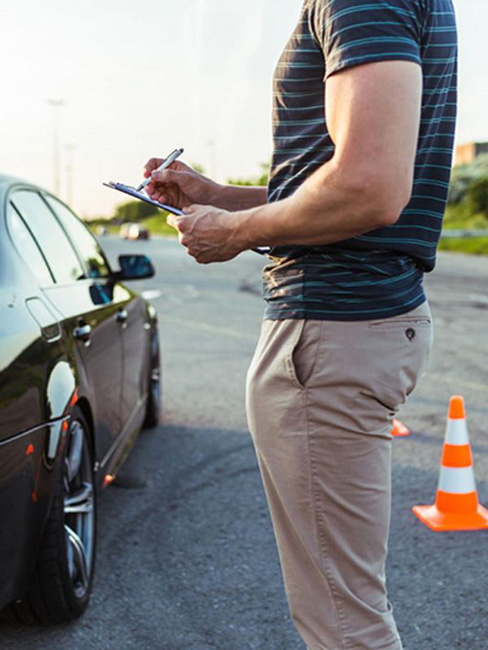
(396, 434)
(399, 430)
(438, 521)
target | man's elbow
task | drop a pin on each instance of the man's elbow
(385, 199)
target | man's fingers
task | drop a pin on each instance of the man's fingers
(166, 176)
(151, 165)
(172, 220)
(193, 211)
(156, 194)
(182, 224)
(177, 222)
(179, 166)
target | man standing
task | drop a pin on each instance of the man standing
(365, 99)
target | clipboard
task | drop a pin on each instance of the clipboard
(131, 191)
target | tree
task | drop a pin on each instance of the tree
(463, 175)
(261, 181)
(477, 196)
(134, 211)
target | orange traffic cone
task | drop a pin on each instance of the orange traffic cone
(399, 430)
(456, 506)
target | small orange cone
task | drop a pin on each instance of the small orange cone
(399, 430)
(456, 506)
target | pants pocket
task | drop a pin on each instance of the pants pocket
(304, 350)
(410, 344)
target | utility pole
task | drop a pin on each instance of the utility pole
(70, 149)
(56, 105)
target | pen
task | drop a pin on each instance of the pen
(166, 163)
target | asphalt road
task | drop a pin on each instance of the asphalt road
(186, 557)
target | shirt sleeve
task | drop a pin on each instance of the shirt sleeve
(354, 32)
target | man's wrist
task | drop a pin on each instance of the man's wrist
(266, 225)
(213, 193)
(246, 233)
(234, 198)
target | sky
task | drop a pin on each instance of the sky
(139, 79)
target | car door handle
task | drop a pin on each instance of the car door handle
(122, 316)
(83, 332)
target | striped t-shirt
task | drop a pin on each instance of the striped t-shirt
(377, 274)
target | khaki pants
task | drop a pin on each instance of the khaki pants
(321, 396)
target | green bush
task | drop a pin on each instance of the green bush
(468, 198)
(463, 175)
(133, 211)
(474, 246)
(157, 224)
(459, 217)
(261, 181)
(477, 196)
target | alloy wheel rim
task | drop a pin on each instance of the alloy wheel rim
(155, 371)
(156, 384)
(79, 508)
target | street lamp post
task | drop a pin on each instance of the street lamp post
(56, 104)
(70, 149)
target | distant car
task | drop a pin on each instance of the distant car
(136, 231)
(133, 231)
(79, 377)
(101, 230)
(124, 230)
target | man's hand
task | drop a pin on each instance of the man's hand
(208, 234)
(179, 185)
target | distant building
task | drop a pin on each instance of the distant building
(466, 153)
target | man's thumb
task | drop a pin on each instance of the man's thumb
(172, 220)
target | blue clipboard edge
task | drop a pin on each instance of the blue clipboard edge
(130, 191)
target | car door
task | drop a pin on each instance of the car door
(135, 341)
(131, 313)
(89, 304)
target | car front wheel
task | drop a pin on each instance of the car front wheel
(153, 405)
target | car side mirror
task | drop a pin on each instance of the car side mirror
(135, 267)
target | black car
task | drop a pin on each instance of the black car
(79, 378)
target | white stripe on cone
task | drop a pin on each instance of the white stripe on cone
(457, 480)
(457, 432)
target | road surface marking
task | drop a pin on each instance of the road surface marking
(151, 294)
(465, 382)
(207, 327)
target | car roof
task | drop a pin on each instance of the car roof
(6, 182)
(9, 262)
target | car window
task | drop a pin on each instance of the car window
(86, 244)
(50, 236)
(27, 247)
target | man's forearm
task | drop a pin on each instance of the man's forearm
(332, 205)
(238, 197)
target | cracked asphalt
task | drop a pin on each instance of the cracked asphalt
(186, 557)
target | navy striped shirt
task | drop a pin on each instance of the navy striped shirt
(377, 274)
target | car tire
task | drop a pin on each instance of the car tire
(153, 407)
(62, 581)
